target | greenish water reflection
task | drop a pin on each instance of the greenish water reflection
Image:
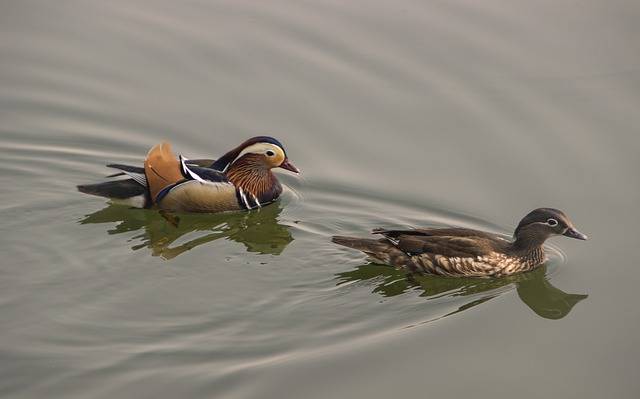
(259, 231)
(533, 288)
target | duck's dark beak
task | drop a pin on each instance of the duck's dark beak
(289, 166)
(573, 233)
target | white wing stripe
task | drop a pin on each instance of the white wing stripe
(189, 172)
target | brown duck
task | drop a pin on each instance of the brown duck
(459, 252)
(240, 180)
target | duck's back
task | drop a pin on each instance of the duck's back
(446, 241)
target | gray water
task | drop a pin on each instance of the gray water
(435, 113)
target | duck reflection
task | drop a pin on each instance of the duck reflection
(533, 288)
(259, 230)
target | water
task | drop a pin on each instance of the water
(399, 114)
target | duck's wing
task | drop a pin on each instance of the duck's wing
(139, 170)
(134, 172)
(438, 232)
(203, 190)
(162, 169)
(453, 242)
(458, 247)
(177, 184)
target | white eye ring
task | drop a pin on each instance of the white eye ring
(270, 153)
(552, 222)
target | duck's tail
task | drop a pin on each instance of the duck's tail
(381, 250)
(362, 244)
(118, 189)
(131, 191)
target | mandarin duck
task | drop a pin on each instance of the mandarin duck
(239, 180)
(460, 252)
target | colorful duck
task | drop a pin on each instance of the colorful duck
(241, 179)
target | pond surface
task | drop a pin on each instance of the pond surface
(400, 114)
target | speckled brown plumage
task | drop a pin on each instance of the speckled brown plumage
(466, 252)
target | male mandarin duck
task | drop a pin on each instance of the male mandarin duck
(241, 179)
(460, 252)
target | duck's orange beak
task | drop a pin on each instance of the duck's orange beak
(289, 166)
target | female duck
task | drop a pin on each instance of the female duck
(240, 179)
(459, 252)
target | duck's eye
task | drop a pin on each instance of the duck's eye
(270, 153)
(552, 222)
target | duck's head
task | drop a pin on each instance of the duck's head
(543, 223)
(261, 151)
